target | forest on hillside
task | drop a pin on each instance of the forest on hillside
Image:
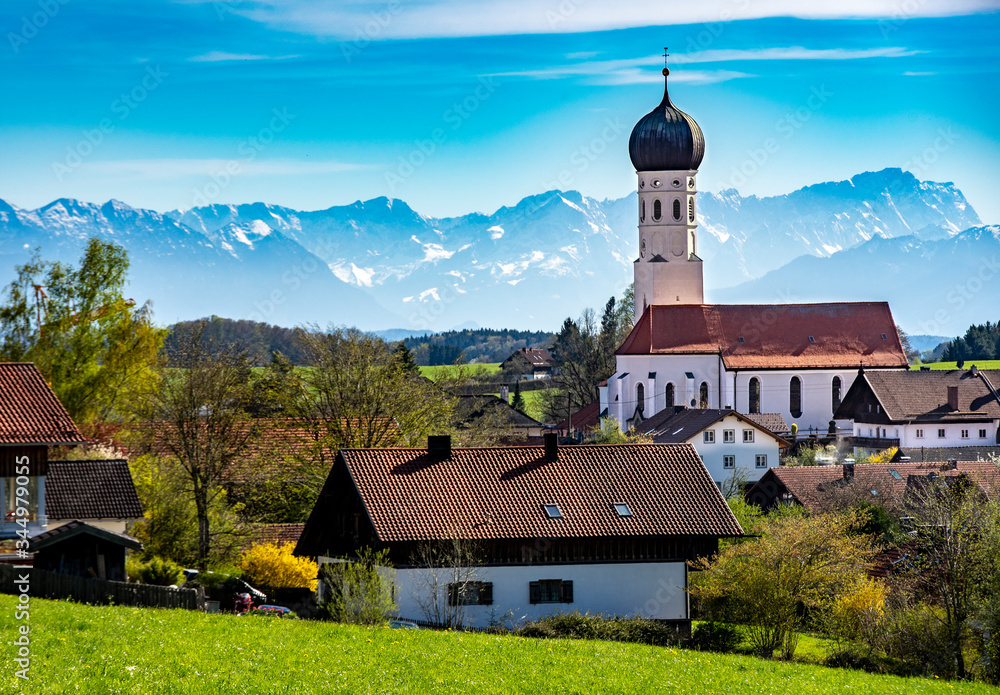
(980, 342)
(473, 345)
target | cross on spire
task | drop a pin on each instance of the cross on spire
(665, 56)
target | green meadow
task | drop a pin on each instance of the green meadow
(85, 649)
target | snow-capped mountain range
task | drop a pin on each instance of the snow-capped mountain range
(379, 263)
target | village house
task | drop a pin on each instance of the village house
(730, 444)
(793, 359)
(529, 363)
(917, 409)
(600, 528)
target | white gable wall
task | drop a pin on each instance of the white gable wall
(713, 453)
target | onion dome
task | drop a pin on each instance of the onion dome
(666, 138)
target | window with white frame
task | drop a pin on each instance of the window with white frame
(982, 434)
(748, 436)
(15, 496)
(941, 433)
(729, 436)
(965, 434)
(729, 461)
(919, 434)
(761, 460)
(710, 436)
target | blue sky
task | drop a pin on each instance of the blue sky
(462, 106)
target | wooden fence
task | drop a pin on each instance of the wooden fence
(44, 584)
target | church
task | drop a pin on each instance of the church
(794, 359)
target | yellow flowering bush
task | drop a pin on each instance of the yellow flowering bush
(273, 565)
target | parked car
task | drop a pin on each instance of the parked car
(279, 611)
(403, 625)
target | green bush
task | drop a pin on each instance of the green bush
(716, 637)
(159, 571)
(576, 625)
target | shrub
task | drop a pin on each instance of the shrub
(360, 590)
(716, 637)
(159, 571)
(274, 566)
(576, 625)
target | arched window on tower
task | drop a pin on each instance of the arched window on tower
(677, 210)
(754, 395)
(703, 395)
(657, 210)
(669, 395)
(836, 393)
(691, 209)
(640, 398)
(642, 211)
(795, 397)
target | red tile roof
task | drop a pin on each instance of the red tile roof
(772, 336)
(91, 490)
(30, 413)
(820, 487)
(587, 417)
(498, 493)
(273, 533)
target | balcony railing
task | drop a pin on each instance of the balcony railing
(873, 442)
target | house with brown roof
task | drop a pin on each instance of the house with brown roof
(31, 420)
(600, 528)
(917, 409)
(530, 363)
(98, 492)
(728, 442)
(820, 488)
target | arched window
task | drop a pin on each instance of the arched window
(670, 395)
(656, 210)
(640, 397)
(836, 393)
(795, 397)
(703, 395)
(642, 211)
(754, 395)
(691, 209)
(677, 209)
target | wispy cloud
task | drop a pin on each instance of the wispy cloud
(455, 18)
(222, 56)
(792, 53)
(153, 169)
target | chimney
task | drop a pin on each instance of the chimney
(951, 465)
(439, 447)
(848, 469)
(551, 446)
(953, 397)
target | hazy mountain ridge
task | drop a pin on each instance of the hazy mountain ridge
(380, 263)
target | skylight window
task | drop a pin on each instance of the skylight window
(884, 337)
(811, 339)
(895, 474)
(740, 339)
(622, 509)
(552, 511)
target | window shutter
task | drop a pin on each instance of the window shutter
(567, 592)
(486, 594)
(534, 592)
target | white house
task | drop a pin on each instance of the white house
(793, 359)
(726, 440)
(924, 409)
(600, 528)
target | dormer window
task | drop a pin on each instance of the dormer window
(622, 509)
(552, 511)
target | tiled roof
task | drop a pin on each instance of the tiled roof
(587, 417)
(470, 408)
(91, 490)
(536, 357)
(769, 421)
(78, 528)
(498, 493)
(679, 424)
(30, 413)
(923, 396)
(772, 336)
(815, 487)
(273, 533)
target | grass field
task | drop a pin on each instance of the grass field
(443, 371)
(148, 651)
(982, 364)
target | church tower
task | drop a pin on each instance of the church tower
(666, 148)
